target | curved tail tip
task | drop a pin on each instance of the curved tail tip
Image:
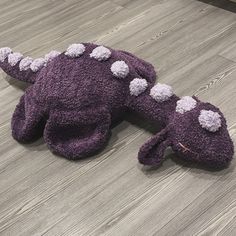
(4, 52)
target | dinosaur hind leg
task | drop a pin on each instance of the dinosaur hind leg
(28, 121)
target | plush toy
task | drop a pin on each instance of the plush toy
(75, 96)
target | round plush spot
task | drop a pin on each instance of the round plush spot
(120, 69)
(4, 52)
(75, 50)
(186, 103)
(209, 120)
(14, 58)
(100, 53)
(25, 63)
(137, 86)
(48, 57)
(161, 92)
(37, 64)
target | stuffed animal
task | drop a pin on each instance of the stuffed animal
(76, 95)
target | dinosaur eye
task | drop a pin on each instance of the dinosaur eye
(120, 69)
(186, 103)
(209, 120)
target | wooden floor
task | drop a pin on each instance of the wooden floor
(193, 47)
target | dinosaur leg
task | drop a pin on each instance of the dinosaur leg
(77, 134)
(152, 152)
(28, 120)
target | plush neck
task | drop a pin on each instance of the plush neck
(151, 109)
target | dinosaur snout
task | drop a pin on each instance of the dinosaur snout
(218, 154)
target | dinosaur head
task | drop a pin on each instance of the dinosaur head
(197, 132)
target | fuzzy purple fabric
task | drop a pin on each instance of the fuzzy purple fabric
(77, 95)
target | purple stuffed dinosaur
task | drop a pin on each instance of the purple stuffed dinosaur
(75, 96)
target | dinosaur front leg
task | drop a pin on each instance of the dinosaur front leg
(77, 134)
(152, 152)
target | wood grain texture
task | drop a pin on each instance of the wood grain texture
(192, 44)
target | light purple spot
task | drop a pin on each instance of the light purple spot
(209, 120)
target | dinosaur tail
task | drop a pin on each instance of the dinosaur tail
(18, 67)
